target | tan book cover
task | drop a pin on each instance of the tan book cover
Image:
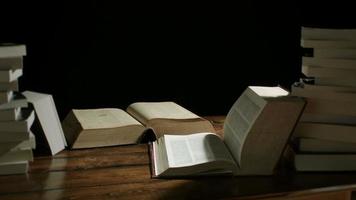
(87, 128)
(256, 131)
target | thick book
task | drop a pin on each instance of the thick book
(323, 88)
(339, 94)
(85, 128)
(332, 53)
(329, 119)
(324, 131)
(328, 44)
(256, 131)
(324, 146)
(11, 114)
(47, 126)
(313, 33)
(17, 155)
(19, 167)
(23, 124)
(14, 136)
(337, 73)
(6, 146)
(12, 50)
(336, 63)
(5, 96)
(17, 100)
(317, 106)
(335, 81)
(325, 162)
(9, 86)
(11, 63)
(10, 75)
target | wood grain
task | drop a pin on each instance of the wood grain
(123, 172)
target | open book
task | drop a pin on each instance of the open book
(256, 131)
(114, 126)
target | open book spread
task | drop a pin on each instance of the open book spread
(256, 132)
(114, 126)
(206, 151)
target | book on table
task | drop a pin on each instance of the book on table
(47, 126)
(10, 75)
(315, 145)
(85, 128)
(11, 50)
(325, 162)
(256, 131)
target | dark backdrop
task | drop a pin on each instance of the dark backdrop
(90, 54)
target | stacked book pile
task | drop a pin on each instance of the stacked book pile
(326, 134)
(16, 140)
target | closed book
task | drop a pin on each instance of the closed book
(329, 119)
(17, 155)
(314, 33)
(325, 146)
(14, 136)
(47, 125)
(330, 62)
(330, 107)
(10, 75)
(328, 43)
(9, 86)
(339, 95)
(317, 71)
(15, 145)
(333, 53)
(12, 50)
(19, 167)
(11, 114)
(11, 63)
(332, 132)
(335, 81)
(17, 100)
(325, 162)
(21, 125)
(5, 96)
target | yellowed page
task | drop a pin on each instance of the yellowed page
(186, 150)
(243, 114)
(145, 111)
(239, 120)
(104, 118)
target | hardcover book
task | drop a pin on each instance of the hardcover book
(87, 128)
(256, 131)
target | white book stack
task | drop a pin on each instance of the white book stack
(325, 137)
(16, 139)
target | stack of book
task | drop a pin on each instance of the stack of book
(16, 139)
(326, 134)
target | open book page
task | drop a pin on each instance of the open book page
(239, 121)
(145, 111)
(104, 118)
(192, 154)
(169, 118)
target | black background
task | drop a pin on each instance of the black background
(91, 54)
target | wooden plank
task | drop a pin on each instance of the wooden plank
(161, 189)
(336, 195)
(176, 189)
(89, 162)
(117, 150)
(74, 179)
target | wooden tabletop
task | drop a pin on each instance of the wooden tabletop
(123, 172)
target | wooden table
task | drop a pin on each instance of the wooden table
(123, 172)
